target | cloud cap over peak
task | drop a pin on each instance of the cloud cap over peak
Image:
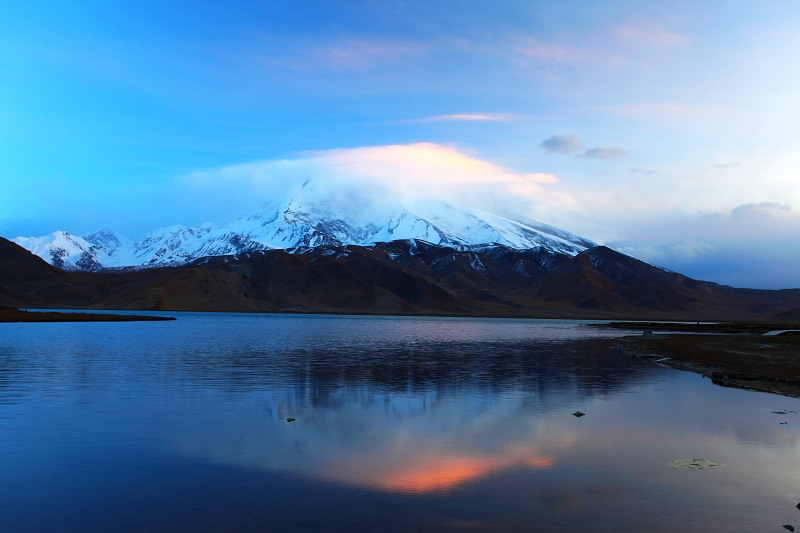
(383, 176)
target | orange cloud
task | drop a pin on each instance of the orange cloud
(408, 174)
(425, 164)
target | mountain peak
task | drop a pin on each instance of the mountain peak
(303, 222)
(62, 249)
(106, 238)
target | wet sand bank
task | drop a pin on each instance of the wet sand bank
(750, 361)
(17, 315)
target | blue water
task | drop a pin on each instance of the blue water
(402, 424)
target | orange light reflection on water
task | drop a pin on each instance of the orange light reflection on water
(436, 471)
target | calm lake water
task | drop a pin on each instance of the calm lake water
(402, 424)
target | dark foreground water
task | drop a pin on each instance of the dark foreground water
(402, 424)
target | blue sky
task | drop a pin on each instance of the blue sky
(670, 131)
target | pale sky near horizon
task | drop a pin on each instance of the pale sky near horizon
(667, 130)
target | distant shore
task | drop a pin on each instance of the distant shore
(743, 358)
(17, 315)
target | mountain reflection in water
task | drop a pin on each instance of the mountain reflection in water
(412, 417)
(400, 424)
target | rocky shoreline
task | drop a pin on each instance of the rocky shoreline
(744, 360)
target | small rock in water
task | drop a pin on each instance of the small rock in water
(578, 414)
(290, 419)
(790, 527)
(693, 464)
(798, 506)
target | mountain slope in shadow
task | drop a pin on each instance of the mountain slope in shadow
(400, 277)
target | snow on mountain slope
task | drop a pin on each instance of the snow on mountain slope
(108, 247)
(170, 245)
(470, 227)
(107, 238)
(304, 221)
(62, 250)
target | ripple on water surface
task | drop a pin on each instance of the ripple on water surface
(399, 424)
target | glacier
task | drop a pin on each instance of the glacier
(300, 223)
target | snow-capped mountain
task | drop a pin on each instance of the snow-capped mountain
(63, 250)
(108, 239)
(299, 223)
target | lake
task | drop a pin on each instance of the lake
(400, 424)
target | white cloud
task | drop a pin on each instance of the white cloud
(684, 226)
(378, 177)
(650, 254)
(466, 117)
(690, 249)
(541, 177)
(759, 211)
(757, 246)
(682, 250)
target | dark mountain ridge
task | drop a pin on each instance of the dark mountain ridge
(400, 277)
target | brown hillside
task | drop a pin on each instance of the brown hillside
(402, 277)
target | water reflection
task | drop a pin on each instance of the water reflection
(422, 424)
(412, 415)
(397, 444)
